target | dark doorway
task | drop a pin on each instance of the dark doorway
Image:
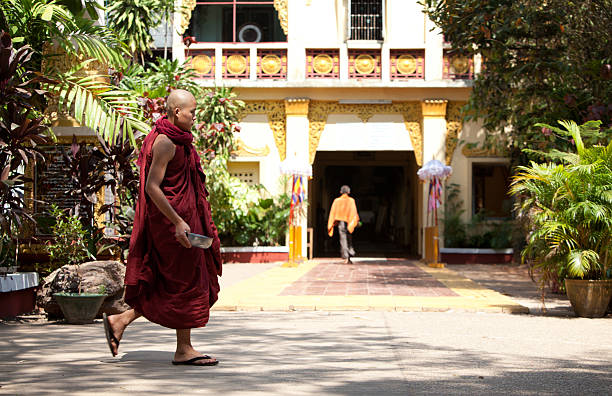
(383, 184)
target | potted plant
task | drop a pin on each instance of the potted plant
(69, 247)
(569, 207)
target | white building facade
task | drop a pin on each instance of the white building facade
(365, 91)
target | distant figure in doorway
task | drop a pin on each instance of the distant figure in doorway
(344, 213)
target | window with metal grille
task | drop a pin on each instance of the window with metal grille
(366, 20)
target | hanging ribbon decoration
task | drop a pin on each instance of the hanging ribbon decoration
(299, 171)
(434, 172)
(298, 194)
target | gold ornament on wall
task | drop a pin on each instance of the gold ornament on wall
(323, 64)
(202, 64)
(236, 64)
(282, 8)
(271, 64)
(277, 119)
(454, 125)
(406, 64)
(365, 64)
(186, 8)
(318, 111)
(244, 150)
(460, 64)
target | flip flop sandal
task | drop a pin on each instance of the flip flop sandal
(193, 362)
(110, 336)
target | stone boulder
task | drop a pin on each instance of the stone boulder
(96, 277)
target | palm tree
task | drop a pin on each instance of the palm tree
(96, 102)
(569, 205)
(133, 21)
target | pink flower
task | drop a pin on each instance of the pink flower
(200, 126)
(222, 100)
(237, 128)
(218, 126)
(546, 131)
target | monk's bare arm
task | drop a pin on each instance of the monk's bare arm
(163, 152)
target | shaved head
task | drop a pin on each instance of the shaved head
(181, 106)
(178, 98)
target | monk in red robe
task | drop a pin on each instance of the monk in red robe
(168, 281)
(343, 213)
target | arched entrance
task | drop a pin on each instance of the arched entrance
(385, 187)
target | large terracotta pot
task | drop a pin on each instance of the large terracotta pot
(589, 298)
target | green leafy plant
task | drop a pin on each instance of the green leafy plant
(133, 20)
(68, 245)
(59, 36)
(216, 117)
(535, 68)
(22, 130)
(569, 206)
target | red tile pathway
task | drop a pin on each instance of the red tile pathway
(396, 277)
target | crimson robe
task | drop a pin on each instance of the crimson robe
(169, 284)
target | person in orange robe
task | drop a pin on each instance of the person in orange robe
(168, 281)
(344, 214)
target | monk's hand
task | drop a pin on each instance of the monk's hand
(180, 234)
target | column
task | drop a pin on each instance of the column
(296, 110)
(434, 144)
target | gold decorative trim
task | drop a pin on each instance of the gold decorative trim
(277, 119)
(186, 8)
(318, 111)
(493, 151)
(271, 64)
(282, 8)
(202, 64)
(460, 64)
(406, 64)
(236, 64)
(434, 107)
(365, 64)
(322, 63)
(296, 106)
(243, 150)
(454, 125)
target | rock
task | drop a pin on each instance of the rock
(96, 277)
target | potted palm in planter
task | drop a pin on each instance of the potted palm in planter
(569, 206)
(68, 247)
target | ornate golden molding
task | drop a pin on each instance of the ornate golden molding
(434, 107)
(296, 106)
(282, 8)
(187, 8)
(243, 150)
(318, 112)
(493, 151)
(277, 119)
(454, 125)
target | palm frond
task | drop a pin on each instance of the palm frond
(98, 105)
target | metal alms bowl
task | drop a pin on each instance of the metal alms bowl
(201, 241)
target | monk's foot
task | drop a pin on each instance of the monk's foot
(116, 327)
(348, 261)
(191, 357)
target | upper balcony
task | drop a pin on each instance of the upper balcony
(336, 43)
